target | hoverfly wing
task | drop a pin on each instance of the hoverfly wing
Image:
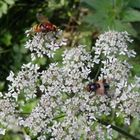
(41, 18)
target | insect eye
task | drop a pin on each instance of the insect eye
(93, 86)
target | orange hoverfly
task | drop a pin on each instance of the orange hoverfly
(44, 25)
(99, 87)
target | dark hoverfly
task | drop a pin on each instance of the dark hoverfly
(99, 87)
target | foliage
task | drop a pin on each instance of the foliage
(82, 22)
(113, 14)
(4, 6)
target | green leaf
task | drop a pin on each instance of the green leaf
(131, 15)
(10, 2)
(89, 19)
(135, 3)
(6, 39)
(100, 5)
(122, 26)
(3, 7)
(89, 3)
(58, 55)
(136, 68)
(29, 106)
(41, 61)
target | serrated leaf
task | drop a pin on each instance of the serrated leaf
(131, 15)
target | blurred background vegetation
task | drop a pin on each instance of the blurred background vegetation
(82, 21)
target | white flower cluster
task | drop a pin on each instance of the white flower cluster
(114, 43)
(110, 47)
(64, 97)
(66, 110)
(8, 116)
(24, 82)
(45, 44)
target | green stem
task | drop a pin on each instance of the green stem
(59, 117)
(99, 69)
(118, 129)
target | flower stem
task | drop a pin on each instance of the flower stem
(118, 129)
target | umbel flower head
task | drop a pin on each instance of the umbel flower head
(66, 109)
(45, 44)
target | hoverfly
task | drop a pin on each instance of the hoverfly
(99, 87)
(44, 25)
